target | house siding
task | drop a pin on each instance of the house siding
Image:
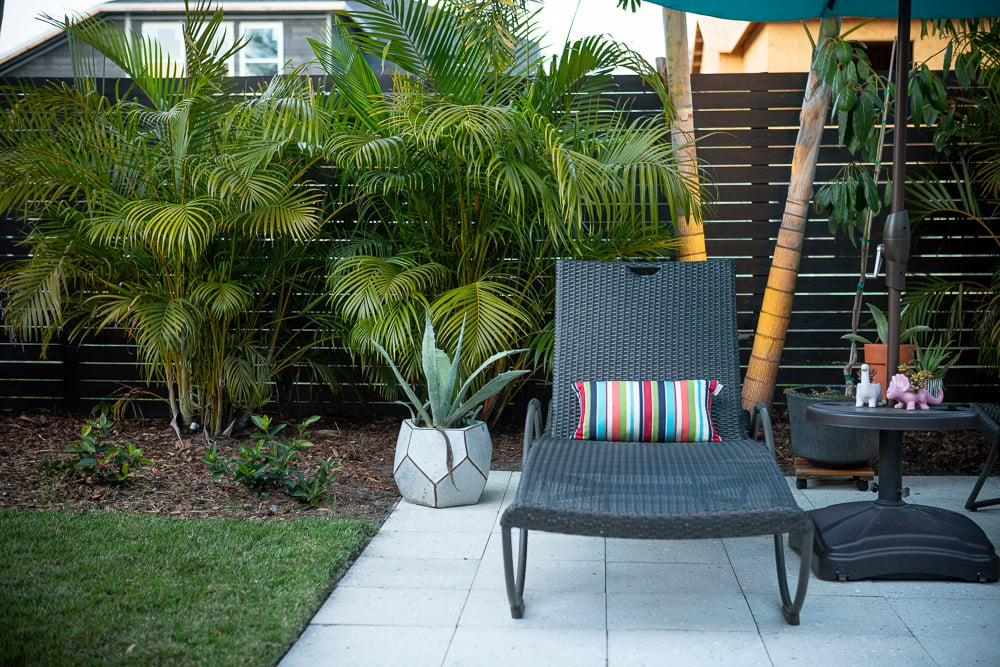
(52, 59)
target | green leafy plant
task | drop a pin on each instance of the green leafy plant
(882, 329)
(97, 460)
(962, 120)
(446, 405)
(482, 164)
(936, 358)
(176, 212)
(271, 464)
(962, 308)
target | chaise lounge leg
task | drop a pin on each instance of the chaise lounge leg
(790, 607)
(971, 503)
(515, 585)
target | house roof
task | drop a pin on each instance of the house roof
(723, 34)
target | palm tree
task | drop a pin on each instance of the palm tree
(690, 229)
(174, 211)
(481, 166)
(776, 306)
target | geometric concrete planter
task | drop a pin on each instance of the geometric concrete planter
(421, 468)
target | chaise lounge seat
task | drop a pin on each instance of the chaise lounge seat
(663, 321)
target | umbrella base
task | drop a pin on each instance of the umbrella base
(873, 540)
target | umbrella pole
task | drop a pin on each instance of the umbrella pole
(896, 235)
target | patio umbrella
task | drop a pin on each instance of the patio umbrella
(896, 233)
(886, 537)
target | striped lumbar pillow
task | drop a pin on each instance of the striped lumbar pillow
(647, 411)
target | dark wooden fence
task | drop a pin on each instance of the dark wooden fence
(746, 126)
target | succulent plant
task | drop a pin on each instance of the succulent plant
(446, 405)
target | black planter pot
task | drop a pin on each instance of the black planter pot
(827, 446)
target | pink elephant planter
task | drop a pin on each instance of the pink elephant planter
(899, 390)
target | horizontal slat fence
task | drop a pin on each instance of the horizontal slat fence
(746, 127)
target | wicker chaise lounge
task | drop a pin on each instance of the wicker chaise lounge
(649, 322)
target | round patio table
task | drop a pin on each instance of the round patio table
(889, 538)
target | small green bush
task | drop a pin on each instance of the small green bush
(270, 464)
(99, 461)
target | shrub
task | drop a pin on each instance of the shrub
(271, 464)
(99, 461)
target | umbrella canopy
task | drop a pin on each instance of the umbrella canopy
(896, 233)
(797, 10)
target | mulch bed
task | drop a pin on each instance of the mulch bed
(179, 484)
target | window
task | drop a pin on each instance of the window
(169, 36)
(224, 41)
(262, 56)
(880, 54)
(264, 52)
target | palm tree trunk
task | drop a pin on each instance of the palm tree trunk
(776, 309)
(676, 72)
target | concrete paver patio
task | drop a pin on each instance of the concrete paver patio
(429, 590)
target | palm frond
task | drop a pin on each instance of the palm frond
(162, 327)
(490, 318)
(366, 286)
(179, 230)
(355, 82)
(36, 290)
(409, 35)
(143, 60)
(223, 299)
(247, 376)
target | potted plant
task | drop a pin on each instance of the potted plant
(876, 351)
(833, 447)
(929, 367)
(443, 453)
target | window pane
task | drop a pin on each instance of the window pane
(263, 44)
(170, 37)
(263, 53)
(223, 41)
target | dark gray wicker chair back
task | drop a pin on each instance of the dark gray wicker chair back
(646, 321)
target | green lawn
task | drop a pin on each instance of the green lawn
(118, 589)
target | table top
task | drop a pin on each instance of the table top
(937, 418)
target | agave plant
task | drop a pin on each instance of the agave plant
(447, 404)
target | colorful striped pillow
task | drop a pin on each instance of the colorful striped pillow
(647, 411)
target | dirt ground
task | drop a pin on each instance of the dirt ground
(180, 484)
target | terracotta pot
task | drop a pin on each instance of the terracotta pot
(875, 357)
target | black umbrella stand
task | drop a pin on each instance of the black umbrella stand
(889, 538)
